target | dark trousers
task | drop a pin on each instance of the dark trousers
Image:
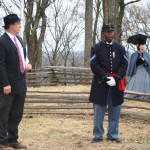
(11, 111)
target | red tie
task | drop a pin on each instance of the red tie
(19, 55)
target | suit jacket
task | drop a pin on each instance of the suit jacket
(106, 59)
(9, 66)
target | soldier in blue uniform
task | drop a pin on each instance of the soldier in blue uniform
(109, 64)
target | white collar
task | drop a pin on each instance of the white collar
(109, 43)
(10, 35)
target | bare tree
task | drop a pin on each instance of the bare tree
(98, 16)
(35, 27)
(113, 12)
(64, 29)
(6, 8)
(88, 31)
(136, 20)
(76, 58)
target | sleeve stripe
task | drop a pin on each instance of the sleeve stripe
(93, 57)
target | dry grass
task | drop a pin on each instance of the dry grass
(74, 132)
(75, 88)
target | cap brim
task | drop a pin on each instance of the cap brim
(107, 30)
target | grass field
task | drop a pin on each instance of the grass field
(74, 132)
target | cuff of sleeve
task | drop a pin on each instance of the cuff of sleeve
(6, 83)
(145, 63)
(104, 78)
(117, 78)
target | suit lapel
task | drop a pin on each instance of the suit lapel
(11, 43)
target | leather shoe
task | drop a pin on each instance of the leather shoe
(17, 145)
(95, 140)
(5, 147)
(114, 140)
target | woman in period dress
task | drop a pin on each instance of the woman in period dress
(139, 72)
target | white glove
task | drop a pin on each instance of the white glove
(111, 82)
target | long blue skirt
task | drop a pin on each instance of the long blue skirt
(140, 82)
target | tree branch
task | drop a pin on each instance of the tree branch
(132, 2)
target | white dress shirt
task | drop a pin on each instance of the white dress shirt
(25, 61)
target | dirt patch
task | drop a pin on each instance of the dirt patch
(74, 132)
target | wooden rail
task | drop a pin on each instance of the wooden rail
(75, 102)
(55, 75)
(70, 102)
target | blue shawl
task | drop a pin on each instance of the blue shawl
(132, 66)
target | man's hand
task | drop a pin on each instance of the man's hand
(28, 67)
(111, 81)
(7, 90)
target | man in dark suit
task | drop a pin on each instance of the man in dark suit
(108, 64)
(13, 65)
